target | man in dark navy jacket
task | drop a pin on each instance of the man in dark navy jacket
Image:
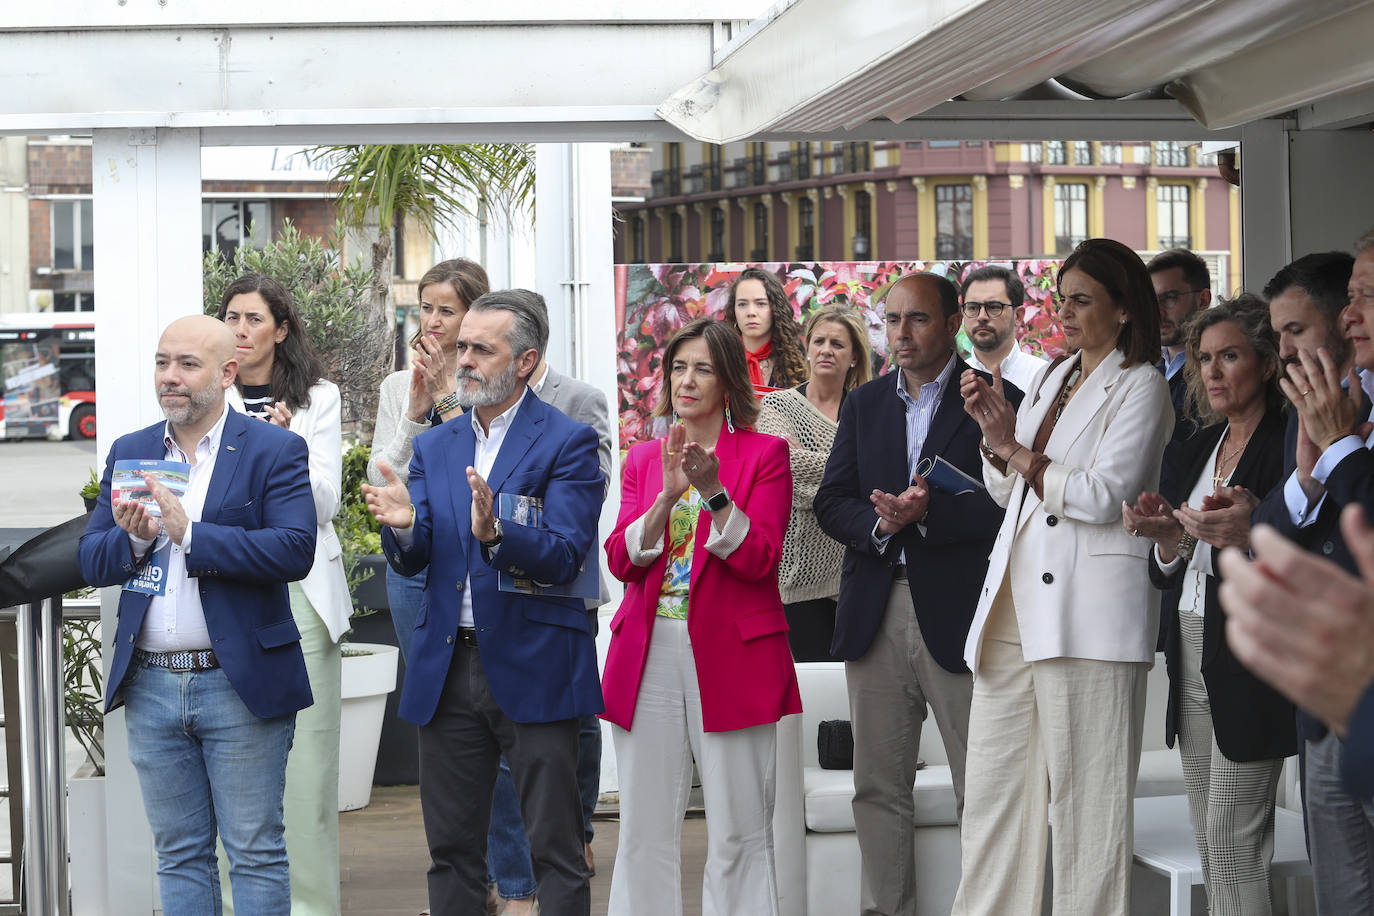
(1333, 468)
(210, 669)
(915, 558)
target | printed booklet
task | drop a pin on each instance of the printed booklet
(529, 511)
(126, 482)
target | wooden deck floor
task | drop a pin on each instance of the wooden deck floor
(383, 857)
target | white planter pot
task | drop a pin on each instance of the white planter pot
(86, 835)
(366, 681)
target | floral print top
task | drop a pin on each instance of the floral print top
(679, 540)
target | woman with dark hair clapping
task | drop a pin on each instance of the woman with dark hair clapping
(698, 666)
(1066, 626)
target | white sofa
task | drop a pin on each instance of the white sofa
(817, 851)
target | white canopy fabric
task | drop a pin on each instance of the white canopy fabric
(816, 66)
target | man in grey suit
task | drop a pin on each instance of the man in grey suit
(506, 842)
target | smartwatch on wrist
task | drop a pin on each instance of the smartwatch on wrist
(719, 501)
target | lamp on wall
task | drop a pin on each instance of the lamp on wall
(860, 246)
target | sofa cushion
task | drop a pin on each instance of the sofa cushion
(829, 798)
(829, 794)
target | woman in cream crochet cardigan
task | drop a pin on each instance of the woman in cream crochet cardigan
(838, 357)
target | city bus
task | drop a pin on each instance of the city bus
(47, 364)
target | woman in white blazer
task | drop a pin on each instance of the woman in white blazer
(280, 380)
(1065, 628)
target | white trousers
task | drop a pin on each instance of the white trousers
(1058, 737)
(738, 772)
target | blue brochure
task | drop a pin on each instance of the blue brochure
(946, 478)
(529, 511)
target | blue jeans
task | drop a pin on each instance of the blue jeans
(508, 849)
(404, 593)
(206, 764)
(588, 770)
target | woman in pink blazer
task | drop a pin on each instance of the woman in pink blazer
(698, 665)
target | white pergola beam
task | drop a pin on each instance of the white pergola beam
(244, 76)
(144, 14)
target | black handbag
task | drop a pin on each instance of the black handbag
(835, 745)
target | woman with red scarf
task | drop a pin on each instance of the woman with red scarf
(758, 309)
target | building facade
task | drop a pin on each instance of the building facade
(927, 200)
(47, 256)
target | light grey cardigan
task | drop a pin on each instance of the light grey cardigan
(394, 432)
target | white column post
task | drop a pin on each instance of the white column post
(1266, 226)
(146, 188)
(575, 272)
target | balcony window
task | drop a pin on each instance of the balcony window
(1171, 154)
(1070, 216)
(761, 215)
(1172, 211)
(806, 229)
(954, 222)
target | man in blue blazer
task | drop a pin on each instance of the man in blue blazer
(494, 671)
(914, 561)
(210, 669)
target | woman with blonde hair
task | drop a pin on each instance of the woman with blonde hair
(838, 359)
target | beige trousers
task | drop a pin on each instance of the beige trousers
(1058, 737)
(889, 690)
(738, 772)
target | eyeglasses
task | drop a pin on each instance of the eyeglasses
(1170, 297)
(992, 307)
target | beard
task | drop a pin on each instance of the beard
(987, 343)
(1174, 339)
(489, 391)
(197, 406)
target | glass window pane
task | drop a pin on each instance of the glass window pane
(228, 228)
(87, 235)
(207, 226)
(64, 302)
(63, 241)
(259, 228)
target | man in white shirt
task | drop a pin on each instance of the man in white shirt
(207, 658)
(493, 669)
(992, 298)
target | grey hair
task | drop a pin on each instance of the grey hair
(530, 328)
(1365, 242)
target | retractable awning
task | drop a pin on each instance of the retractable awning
(815, 66)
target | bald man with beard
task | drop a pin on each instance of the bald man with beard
(209, 669)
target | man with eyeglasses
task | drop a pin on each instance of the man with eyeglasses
(1183, 285)
(991, 302)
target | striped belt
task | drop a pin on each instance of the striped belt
(185, 660)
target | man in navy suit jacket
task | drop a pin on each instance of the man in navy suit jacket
(914, 564)
(210, 670)
(494, 671)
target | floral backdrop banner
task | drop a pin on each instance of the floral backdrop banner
(654, 300)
